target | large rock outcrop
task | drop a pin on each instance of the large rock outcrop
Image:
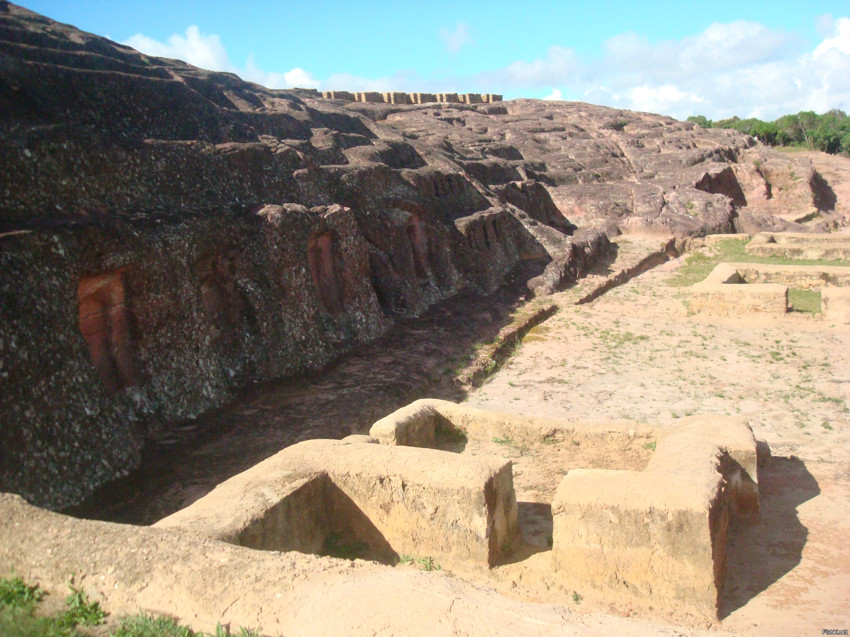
(169, 235)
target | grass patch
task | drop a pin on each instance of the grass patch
(18, 622)
(19, 617)
(696, 267)
(144, 625)
(614, 339)
(509, 442)
(425, 563)
(19, 603)
(81, 611)
(804, 300)
(149, 626)
(16, 593)
(649, 446)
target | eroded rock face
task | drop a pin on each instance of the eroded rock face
(170, 234)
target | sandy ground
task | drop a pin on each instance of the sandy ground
(635, 353)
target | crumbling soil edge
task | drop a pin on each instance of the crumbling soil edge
(672, 249)
(492, 356)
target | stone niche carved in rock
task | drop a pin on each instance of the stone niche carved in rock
(491, 235)
(418, 241)
(219, 297)
(105, 325)
(484, 235)
(322, 260)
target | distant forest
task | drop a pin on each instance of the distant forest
(829, 132)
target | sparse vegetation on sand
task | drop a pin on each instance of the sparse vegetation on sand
(698, 265)
(21, 615)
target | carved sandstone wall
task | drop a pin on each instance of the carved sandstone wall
(170, 235)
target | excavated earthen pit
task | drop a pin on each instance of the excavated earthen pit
(355, 499)
(734, 289)
(622, 508)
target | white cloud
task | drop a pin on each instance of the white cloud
(738, 68)
(455, 40)
(839, 42)
(661, 99)
(207, 52)
(196, 48)
(300, 78)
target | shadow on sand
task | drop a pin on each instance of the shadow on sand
(760, 554)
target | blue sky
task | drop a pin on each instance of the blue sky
(680, 58)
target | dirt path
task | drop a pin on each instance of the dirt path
(635, 353)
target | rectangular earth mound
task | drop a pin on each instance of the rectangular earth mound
(835, 304)
(353, 499)
(658, 533)
(791, 245)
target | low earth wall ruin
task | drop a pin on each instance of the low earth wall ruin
(734, 289)
(381, 501)
(658, 534)
(655, 534)
(412, 98)
(794, 245)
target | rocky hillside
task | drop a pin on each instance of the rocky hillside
(169, 235)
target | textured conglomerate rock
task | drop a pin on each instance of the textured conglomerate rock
(169, 235)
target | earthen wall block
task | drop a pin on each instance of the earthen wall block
(835, 304)
(796, 276)
(395, 500)
(370, 96)
(422, 98)
(339, 95)
(396, 98)
(793, 245)
(659, 534)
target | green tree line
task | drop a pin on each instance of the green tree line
(829, 132)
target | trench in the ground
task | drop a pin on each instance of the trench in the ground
(416, 358)
(539, 466)
(420, 357)
(320, 517)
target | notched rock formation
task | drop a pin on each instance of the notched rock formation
(170, 235)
